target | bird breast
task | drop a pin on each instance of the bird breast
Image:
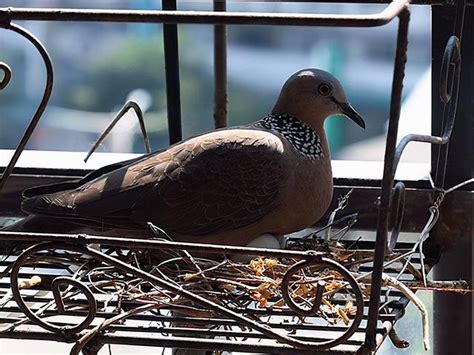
(311, 188)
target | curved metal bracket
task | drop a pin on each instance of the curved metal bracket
(324, 263)
(7, 75)
(65, 331)
(44, 101)
(448, 91)
(398, 210)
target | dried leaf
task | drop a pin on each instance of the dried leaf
(303, 290)
(189, 277)
(333, 285)
(269, 263)
(327, 303)
(342, 313)
(260, 298)
(33, 281)
(258, 266)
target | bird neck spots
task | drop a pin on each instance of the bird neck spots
(300, 135)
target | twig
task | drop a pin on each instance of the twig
(393, 282)
(341, 204)
(459, 286)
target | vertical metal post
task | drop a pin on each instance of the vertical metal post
(220, 69)
(173, 97)
(387, 181)
(452, 314)
(438, 124)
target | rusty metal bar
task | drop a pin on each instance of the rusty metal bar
(197, 322)
(206, 17)
(82, 239)
(173, 92)
(169, 342)
(387, 181)
(214, 344)
(44, 101)
(220, 69)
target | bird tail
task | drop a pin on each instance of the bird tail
(55, 204)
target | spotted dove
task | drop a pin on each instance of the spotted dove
(228, 186)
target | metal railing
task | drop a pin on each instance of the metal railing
(170, 17)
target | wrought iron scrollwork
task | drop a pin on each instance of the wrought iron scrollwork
(65, 331)
(349, 289)
(91, 301)
(44, 100)
(450, 77)
(398, 211)
(7, 75)
(448, 91)
(450, 69)
(312, 307)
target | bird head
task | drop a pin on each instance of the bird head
(311, 95)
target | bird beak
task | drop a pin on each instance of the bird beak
(349, 111)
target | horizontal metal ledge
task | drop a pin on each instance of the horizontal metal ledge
(205, 17)
(84, 239)
(30, 332)
(362, 201)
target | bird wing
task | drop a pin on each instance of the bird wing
(75, 183)
(217, 182)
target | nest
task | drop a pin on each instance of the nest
(330, 283)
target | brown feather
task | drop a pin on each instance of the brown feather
(218, 182)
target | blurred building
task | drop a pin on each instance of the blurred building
(260, 58)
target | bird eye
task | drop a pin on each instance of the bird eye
(324, 89)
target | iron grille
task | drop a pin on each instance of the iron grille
(236, 326)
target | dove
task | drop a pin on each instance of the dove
(227, 186)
